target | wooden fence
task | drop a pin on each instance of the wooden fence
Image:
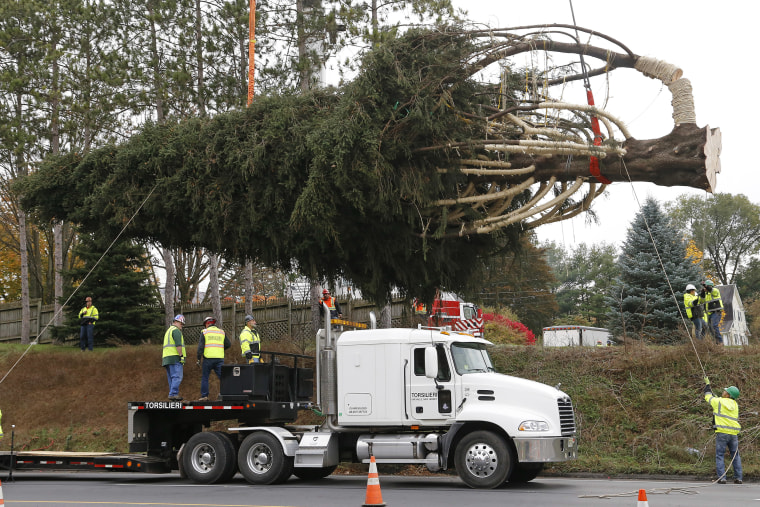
(276, 320)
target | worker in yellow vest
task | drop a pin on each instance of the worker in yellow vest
(173, 357)
(87, 317)
(250, 341)
(211, 349)
(710, 296)
(727, 428)
(695, 311)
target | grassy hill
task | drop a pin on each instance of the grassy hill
(639, 408)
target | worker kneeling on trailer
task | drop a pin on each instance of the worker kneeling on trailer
(727, 428)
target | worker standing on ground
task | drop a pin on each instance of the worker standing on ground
(727, 427)
(87, 317)
(695, 311)
(710, 296)
(173, 357)
(211, 349)
(332, 305)
(250, 341)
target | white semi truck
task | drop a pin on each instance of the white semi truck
(405, 396)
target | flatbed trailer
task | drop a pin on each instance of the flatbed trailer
(262, 394)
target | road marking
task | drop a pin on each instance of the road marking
(64, 502)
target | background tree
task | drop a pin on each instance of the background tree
(583, 279)
(516, 278)
(641, 302)
(726, 227)
(119, 285)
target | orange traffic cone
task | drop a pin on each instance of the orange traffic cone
(374, 496)
(643, 498)
(2, 502)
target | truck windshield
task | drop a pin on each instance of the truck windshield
(470, 358)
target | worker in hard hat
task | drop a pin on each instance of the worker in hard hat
(710, 296)
(332, 305)
(250, 341)
(87, 317)
(695, 311)
(211, 349)
(727, 428)
(173, 357)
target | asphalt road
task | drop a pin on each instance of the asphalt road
(121, 489)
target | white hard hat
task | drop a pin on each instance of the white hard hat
(690, 287)
(179, 318)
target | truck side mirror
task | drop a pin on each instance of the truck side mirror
(431, 362)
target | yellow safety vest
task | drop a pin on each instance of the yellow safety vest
(688, 302)
(214, 346)
(713, 301)
(726, 414)
(247, 337)
(170, 348)
(89, 312)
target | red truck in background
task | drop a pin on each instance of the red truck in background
(450, 310)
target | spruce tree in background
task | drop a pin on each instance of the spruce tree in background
(640, 300)
(120, 290)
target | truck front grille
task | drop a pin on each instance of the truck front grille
(566, 416)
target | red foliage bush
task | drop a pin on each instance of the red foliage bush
(530, 338)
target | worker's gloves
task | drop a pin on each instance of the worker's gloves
(249, 355)
(707, 381)
(182, 360)
(702, 293)
(198, 362)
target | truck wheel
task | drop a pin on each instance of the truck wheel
(525, 472)
(230, 464)
(261, 459)
(313, 474)
(205, 457)
(483, 460)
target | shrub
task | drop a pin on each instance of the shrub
(506, 329)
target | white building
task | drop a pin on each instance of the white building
(733, 327)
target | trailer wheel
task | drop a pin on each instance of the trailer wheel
(261, 459)
(205, 457)
(525, 472)
(483, 460)
(313, 474)
(230, 464)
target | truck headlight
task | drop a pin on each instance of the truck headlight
(533, 426)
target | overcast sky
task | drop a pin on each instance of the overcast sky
(709, 41)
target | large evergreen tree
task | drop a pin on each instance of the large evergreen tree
(119, 286)
(642, 303)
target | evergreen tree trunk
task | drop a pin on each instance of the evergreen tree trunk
(25, 313)
(249, 287)
(316, 319)
(213, 287)
(169, 295)
(386, 317)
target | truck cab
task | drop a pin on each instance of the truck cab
(441, 384)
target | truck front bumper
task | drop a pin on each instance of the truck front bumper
(544, 450)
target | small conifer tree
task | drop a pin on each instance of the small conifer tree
(642, 304)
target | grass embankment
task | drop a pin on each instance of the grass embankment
(639, 408)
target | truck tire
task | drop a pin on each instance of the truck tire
(313, 474)
(230, 464)
(525, 472)
(205, 458)
(261, 459)
(483, 460)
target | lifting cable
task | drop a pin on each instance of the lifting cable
(593, 161)
(82, 282)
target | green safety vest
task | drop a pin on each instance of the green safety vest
(713, 301)
(214, 346)
(170, 348)
(247, 337)
(725, 413)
